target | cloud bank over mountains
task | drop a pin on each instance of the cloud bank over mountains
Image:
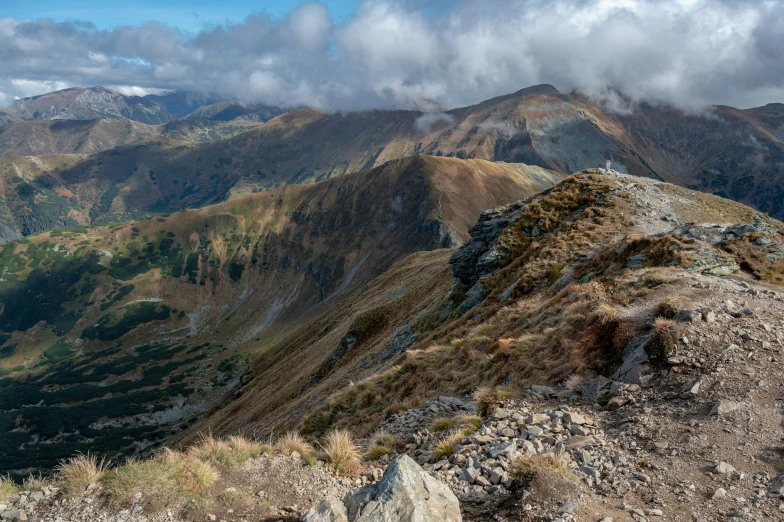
(425, 54)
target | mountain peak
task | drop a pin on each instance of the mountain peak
(543, 89)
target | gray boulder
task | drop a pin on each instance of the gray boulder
(330, 509)
(406, 493)
(635, 368)
(596, 387)
(724, 406)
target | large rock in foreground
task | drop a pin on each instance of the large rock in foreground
(330, 509)
(406, 493)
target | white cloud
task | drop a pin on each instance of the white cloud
(134, 90)
(431, 120)
(399, 54)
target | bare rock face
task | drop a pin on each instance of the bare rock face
(406, 493)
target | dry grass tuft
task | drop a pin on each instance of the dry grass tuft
(342, 453)
(465, 423)
(574, 383)
(526, 468)
(441, 424)
(234, 451)
(671, 305)
(606, 314)
(8, 486)
(665, 338)
(376, 451)
(488, 397)
(161, 480)
(291, 442)
(657, 277)
(34, 482)
(445, 448)
(381, 444)
(79, 472)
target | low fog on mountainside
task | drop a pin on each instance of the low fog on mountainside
(392, 261)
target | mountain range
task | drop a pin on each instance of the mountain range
(89, 103)
(133, 170)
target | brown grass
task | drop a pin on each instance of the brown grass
(488, 397)
(605, 314)
(465, 423)
(342, 453)
(445, 447)
(754, 260)
(531, 341)
(234, 451)
(526, 468)
(161, 480)
(381, 444)
(575, 383)
(8, 487)
(294, 442)
(79, 472)
(671, 305)
(665, 339)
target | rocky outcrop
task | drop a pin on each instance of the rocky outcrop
(402, 340)
(406, 493)
(478, 258)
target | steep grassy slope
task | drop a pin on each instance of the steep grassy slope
(537, 296)
(34, 138)
(111, 335)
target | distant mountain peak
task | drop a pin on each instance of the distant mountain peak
(542, 89)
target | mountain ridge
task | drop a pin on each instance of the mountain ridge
(729, 152)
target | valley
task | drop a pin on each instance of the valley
(163, 315)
